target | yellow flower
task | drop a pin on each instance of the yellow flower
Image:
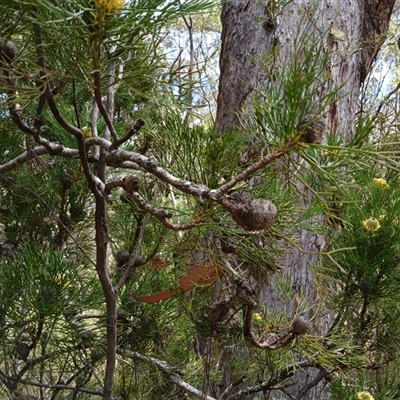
(110, 5)
(87, 131)
(257, 317)
(328, 153)
(371, 224)
(395, 221)
(380, 183)
(364, 396)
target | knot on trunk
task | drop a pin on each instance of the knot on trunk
(131, 183)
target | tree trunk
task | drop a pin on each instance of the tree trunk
(249, 31)
(351, 32)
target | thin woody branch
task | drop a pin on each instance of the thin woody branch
(62, 387)
(245, 294)
(130, 184)
(161, 214)
(34, 133)
(18, 120)
(29, 364)
(189, 388)
(251, 214)
(172, 373)
(135, 255)
(26, 156)
(79, 138)
(93, 125)
(271, 341)
(103, 111)
(97, 141)
(118, 52)
(116, 157)
(268, 159)
(271, 383)
(136, 245)
(133, 131)
(323, 374)
(230, 387)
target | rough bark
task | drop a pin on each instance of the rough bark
(245, 38)
(249, 31)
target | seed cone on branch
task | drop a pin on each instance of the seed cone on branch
(7, 50)
(300, 325)
(123, 257)
(312, 132)
(251, 214)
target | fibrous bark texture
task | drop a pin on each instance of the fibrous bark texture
(249, 32)
(243, 41)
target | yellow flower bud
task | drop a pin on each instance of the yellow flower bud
(87, 131)
(110, 5)
(257, 317)
(371, 224)
(380, 183)
(364, 396)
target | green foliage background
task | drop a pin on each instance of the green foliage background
(52, 314)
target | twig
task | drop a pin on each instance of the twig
(324, 373)
(93, 124)
(136, 246)
(231, 386)
(29, 364)
(216, 194)
(387, 97)
(35, 152)
(161, 214)
(103, 111)
(172, 373)
(64, 387)
(115, 157)
(99, 141)
(123, 48)
(270, 385)
(189, 26)
(133, 131)
(110, 94)
(75, 104)
(58, 219)
(79, 138)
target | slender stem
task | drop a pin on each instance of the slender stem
(103, 111)
(101, 228)
(170, 372)
(138, 242)
(189, 26)
(110, 93)
(109, 293)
